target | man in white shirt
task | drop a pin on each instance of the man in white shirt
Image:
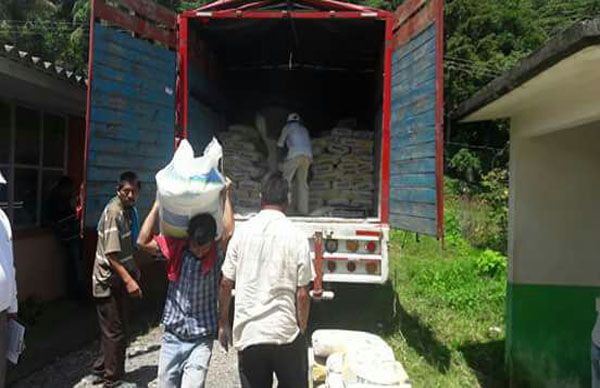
(8, 286)
(268, 261)
(295, 168)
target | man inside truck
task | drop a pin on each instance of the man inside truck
(190, 313)
(296, 138)
(268, 261)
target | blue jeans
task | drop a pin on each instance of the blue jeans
(595, 366)
(183, 363)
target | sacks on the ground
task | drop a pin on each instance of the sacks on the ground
(188, 186)
(373, 367)
(327, 341)
(358, 359)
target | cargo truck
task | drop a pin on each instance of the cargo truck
(156, 77)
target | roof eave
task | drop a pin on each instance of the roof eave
(574, 39)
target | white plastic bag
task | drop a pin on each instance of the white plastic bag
(189, 186)
(328, 341)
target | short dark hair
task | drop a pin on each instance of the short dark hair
(129, 177)
(274, 190)
(202, 228)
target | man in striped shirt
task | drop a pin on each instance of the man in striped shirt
(115, 276)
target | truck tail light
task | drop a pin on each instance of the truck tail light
(351, 266)
(371, 246)
(331, 246)
(331, 266)
(372, 267)
(352, 245)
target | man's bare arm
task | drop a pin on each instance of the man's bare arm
(131, 284)
(228, 216)
(224, 303)
(145, 240)
(302, 307)
(225, 300)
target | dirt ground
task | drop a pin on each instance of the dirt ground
(72, 370)
(355, 308)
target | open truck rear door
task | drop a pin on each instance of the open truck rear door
(131, 99)
(415, 56)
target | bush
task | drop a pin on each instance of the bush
(495, 194)
(491, 263)
(479, 217)
(467, 164)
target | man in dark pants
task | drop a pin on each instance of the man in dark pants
(115, 276)
(268, 261)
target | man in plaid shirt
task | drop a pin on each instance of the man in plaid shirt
(190, 313)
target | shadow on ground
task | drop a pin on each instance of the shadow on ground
(487, 360)
(143, 375)
(419, 336)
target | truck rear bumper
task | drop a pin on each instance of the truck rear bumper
(355, 251)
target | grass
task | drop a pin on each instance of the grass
(447, 327)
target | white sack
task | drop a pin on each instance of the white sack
(188, 186)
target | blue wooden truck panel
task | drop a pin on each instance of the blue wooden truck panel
(413, 138)
(132, 116)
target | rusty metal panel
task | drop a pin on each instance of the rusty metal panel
(132, 116)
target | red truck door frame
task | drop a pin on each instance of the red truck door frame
(132, 107)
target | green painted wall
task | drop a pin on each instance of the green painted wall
(548, 334)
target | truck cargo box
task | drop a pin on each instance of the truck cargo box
(368, 84)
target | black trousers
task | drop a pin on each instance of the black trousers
(289, 363)
(112, 320)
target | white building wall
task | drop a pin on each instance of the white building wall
(555, 206)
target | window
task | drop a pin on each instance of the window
(33, 146)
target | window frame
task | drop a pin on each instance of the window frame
(39, 167)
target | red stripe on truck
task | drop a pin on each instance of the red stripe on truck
(369, 233)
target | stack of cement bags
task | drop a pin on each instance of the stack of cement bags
(245, 164)
(343, 169)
